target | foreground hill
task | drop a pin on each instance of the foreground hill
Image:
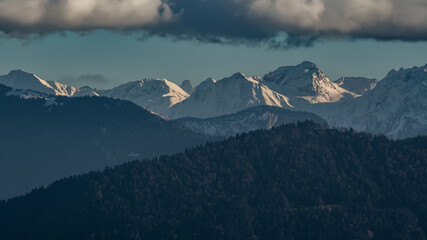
(292, 182)
(44, 140)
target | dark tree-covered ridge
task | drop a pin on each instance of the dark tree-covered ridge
(292, 182)
(45, 140)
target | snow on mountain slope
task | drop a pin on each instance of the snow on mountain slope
(396, 107)
(305, 81)
(27, 84)
(260, 117)
(229, 95)
(18, 79)
(86, 91)
(187, 87)
(157, 95)
(358, 85)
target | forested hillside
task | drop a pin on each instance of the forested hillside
(292, 182)
(44, 140)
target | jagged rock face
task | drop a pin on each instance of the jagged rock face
(229, 95)
(358, 85)
(305, 81)
(157, 95)
(187, 87)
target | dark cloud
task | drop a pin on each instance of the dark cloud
(302, 22)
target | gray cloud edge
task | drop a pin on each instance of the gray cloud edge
(250, 22)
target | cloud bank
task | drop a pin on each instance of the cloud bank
(23, 17)
(223, 21)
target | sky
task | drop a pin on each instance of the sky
(103, 43)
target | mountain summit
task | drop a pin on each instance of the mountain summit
(157, 95)
(305, 81)
(19, 79)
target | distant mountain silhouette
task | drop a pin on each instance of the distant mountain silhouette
(250, 119)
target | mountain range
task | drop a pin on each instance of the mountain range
(394, 106)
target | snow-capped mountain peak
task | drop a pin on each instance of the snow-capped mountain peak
(242, 77)
(37, 87)
(289, 74)
(305, 81)
(237, 75)
(397, 106)
(19, 79)
(157, 95)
